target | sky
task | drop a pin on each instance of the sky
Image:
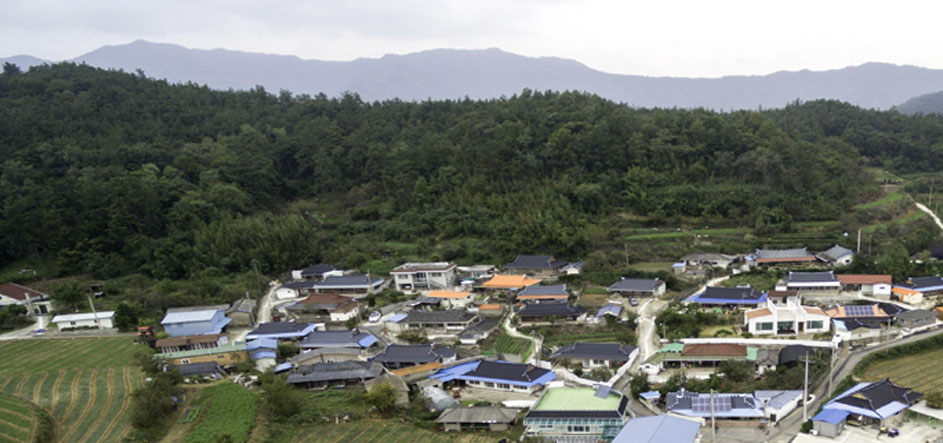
(655, 37)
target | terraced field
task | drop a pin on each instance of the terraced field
(84, 384)
(17, 420)
(388, 431)
(917, 372)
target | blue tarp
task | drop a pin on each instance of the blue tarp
(651, 395)
(284, 367)
(833, 416)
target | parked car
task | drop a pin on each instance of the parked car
(375, 316)
(633, 301)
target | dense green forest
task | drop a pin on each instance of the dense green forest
(109, 173)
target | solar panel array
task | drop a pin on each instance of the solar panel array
(602, 391)
(859, 311)
(703, 404)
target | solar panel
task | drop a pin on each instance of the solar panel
(859, 311)
(602, 391)
(722, 404)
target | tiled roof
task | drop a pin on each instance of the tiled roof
(550, 310)
(450, 316)
(714, 350)
(448, 294)
(741, 293)
(507, 371)
(541, 291)
(864, 279)
(535, 262)
(755, 313)
(783, 255)
(597, 351)
(414, 353)
(18, 292)
(510, 282)
(636, 285)
(811, 277)
(836, 252)
(187, 340)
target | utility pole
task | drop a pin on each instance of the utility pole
(94, 313)
(805, 391)
(831, 361)
(858, 251)
(713, 427)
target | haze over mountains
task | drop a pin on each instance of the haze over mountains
(491, 73)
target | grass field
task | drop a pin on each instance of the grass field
(652, 266)
(84, 384)
(888, 199)
(388, 431)
(917, 372)
(17, 420)
(225, 411)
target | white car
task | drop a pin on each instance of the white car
(374, 316)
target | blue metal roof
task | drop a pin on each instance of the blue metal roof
(696, 298)
(396, 318)
(284, 367)
(269, 343)
(367, 341)
(658, 429)
(650, 395)
(833, 416)
(262, 354)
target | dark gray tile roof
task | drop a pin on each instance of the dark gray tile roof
(544, 290)
(450, 316)
(318, 269)
(926, 282)
(878, 394)
(335, 371)
(743, 293)
(280, 327)
(791, 354)
(507, 371)
(550, 310)
(535, 262)
(636, 285)
(916, 314)
(414, 354)
(595, 351)
(812, 277)
(347, 281)
(299, 285)
(478, 329)
(486, 414)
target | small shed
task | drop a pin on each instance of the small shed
(491, 418)
(101, 320)
(829, 422)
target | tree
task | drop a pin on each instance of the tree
(126, 317)
(279, 398)
(287, 350)
(640, 384)
(601, 374)
(737, 371)
(935, 399)
(382, 397)
(68, 292)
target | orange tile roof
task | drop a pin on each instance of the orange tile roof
(510, 281)
(431, 366)
(903, 291)
(758, 313)
(864, 279)
(813, 310)
(448, 294)
(490, 306)
(714, 350)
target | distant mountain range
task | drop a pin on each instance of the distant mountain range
(931, 103)
(491, 73)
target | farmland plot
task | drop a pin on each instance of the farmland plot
(918, 372)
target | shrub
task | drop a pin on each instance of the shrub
(935, 399)
(746, 334)
(601, 374)
(382, 397)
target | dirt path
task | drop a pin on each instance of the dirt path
(936, 219)
(124, 405)
(109, 391)
(92, 394)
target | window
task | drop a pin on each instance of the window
(765, 326)
(816, 324)
(577, 428)
(436, 274)
(784, 325)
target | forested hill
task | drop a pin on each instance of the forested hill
(111, 173)
(931, 103)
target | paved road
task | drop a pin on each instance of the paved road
(265, 305)
(923, 208)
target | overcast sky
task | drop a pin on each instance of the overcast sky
(655, 37)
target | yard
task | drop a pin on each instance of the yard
(913, 371)
(17, 420)
(85, 384)
(505, 344)
(762, 281)
(388, 431)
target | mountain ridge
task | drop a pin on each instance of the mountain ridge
(445, 73)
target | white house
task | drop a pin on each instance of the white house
(452, 299)
(317, 272)
(878, 285)
(36, 302)
(419, 276)
(810, 281)
(791, 319)
(293, 290)
(778, 404)
(837, 256)
(102, 320)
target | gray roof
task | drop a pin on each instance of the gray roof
(659, 429)
(335, 371)
(348, 281)
(478, 329)
(544, 290)
(578, 265)
(835, 252)
(208, 368)
(535, 262)
(299, 285)
(636, 285)
(485, 414)
(915, 314)
(811, 277)
(595, 351)
(316, 354)
(414, 353)
(781, 254)
(242, 305)
(342, 339)
(450, 316)
(550, 310)
(926, 282)
(778, 399)
(738, 293)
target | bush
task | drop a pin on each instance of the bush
(935, 399)
(639, 385)
(413, 336)
(746, 334)
(601, 374)
(806, 427)
(288, 350)
(280, 399)
(382, 397)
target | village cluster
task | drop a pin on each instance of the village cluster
(428, 345)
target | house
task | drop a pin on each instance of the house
(537, 265)
(782, 256)
(596, 355)
(354, 285)
(242, 312)
(925, 286)
(195, 320)
(811, 282)
(790, 356)
(336, 373)
(294, 289)
(870, 313)
(284, 330)
(476, 271)
(327, 354)
(422, 276)
(352, 339)
(88, 320)
(791, 319)
(209, 369)
(858, 332)
(638, 287)
(829, 422)
(906, 295)
(261, 348)
(739, 297)
(400, 388)
(613, 310)
(36, 302)
(870, 403)
(190, 342)
(509, 283)
(423, 303)
(543, 294)
(659, 429)
(702, 354)
(780, 298)
(548, 312)
(837, 256)
(330, 307)
(722, 406)
(495, 375)
(451, 299)
(478, 331)
(573, 268)
(709, 260)
(451, 321)
(577, 414)
(915, 318)
(489, 418)
(317, 272)
(491, 310)
(225, 355)
(878, 285)
(776, 405)
(403, 356)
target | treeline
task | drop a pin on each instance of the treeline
(110, 173)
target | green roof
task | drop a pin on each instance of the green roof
(229, 347)
(576, 399)
(751, 353)
(672, 347)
